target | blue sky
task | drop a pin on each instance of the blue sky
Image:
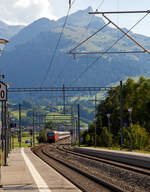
(26, 11)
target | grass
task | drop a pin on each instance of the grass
(15, 114)
(23, 144)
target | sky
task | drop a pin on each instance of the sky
(26, 11)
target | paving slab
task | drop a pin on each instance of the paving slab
(26, 172)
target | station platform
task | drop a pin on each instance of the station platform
(27, 173)
(132, 153)
(128, 157)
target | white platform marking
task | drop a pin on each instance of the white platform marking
(42, 186)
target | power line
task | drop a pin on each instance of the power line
(88, 28)
(107, 50)
(89, 37)
(101, 3)
(58, 42)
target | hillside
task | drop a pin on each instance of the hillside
(8, 31)
(28, 55)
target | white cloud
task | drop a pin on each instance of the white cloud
(24, 11)
(22, 4)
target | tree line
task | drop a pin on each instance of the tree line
(136, 117)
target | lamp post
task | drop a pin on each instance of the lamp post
(130, 120)
(108, 116)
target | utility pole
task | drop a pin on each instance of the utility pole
(121, 114)
(19, 125)
(79, 123)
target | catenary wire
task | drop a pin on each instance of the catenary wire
(80, 43)
(100, 57)
(58, 42)
(90, 21)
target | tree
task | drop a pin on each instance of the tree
(42, 138)
(140, 137)
(135, 95)
(50, 125)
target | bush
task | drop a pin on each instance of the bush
(139, 137)
(42, 138)
(104, 138)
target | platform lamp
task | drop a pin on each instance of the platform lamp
(108, 116)
(130, 120)
(3, 42)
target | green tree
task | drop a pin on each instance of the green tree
(104, 137)
(50, 125)
(42, 138)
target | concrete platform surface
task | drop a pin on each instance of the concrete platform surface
(26, 172)
(128, 157)
(147, 155)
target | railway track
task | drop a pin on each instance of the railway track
(136, 169)
(92, 173)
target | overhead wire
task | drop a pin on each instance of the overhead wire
(87, 25)
(100, 57)
(87, 28)
(80, 43)
(57, 44)
(101, 3)
(89, 37)
(61, 72)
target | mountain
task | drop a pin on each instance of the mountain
(8, 31)
(27, 58)
(81, 18)
(30, 32)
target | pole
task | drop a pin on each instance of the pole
(131, 142)
(33, 129)
(2, 133)
(121, 114)
(108, 116)
(5, 133)
(64, 99)
(19, 125)
(79, 124)
(7, 122)
(72, 127)
(95, 118)
(13, 139)
(109, 129)
(2, 141)
(10, 134)
(76, 128)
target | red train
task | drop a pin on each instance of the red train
(52, 137)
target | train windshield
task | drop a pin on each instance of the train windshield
(50, 134)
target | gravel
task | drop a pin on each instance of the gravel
(126, 180)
